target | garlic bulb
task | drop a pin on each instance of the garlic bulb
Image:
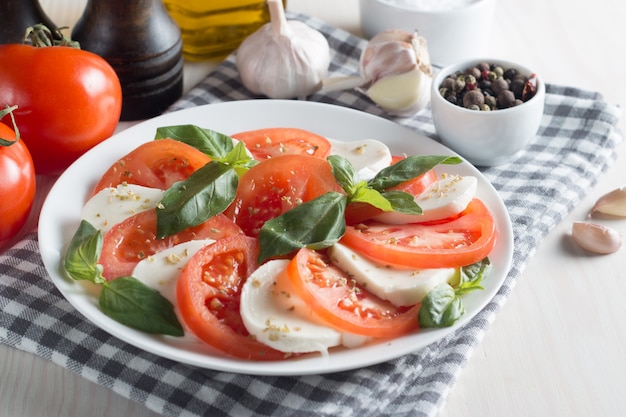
(395, 72)
(612, 203)
(283, 59)
(596, 238)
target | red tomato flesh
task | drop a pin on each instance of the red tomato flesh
(157, 164)
(276, 185)
(271, 142)
(342, 303)
(208, 295)
(463, 240)
(134, 239)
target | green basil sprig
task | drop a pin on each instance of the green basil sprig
(376, 191)
(209, 190)
(125, 299)
(443, 306)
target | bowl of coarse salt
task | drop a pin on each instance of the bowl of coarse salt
(454, 29)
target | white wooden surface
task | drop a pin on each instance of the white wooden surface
(558, 346)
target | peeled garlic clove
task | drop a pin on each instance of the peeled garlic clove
(612, 203)
(284, 58)
(397, 70)
(596, 238)
(405, 93)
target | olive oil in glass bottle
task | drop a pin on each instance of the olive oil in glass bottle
(214, 28)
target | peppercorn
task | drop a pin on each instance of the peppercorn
(484, 84)
(448, 83)
(483, 66)
(499, 85)
(506, 99)
(473, 98)
(473, 71)
(491, 102)
(510, 73)
(459, 84)
(517, 86)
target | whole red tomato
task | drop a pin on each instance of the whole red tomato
(17, 184)
(68, 101)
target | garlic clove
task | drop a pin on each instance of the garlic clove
(395, 73)
(284, 58)
(401, 94)
(612, 203)
(596, 238)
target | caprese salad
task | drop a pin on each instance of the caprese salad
(278, 242)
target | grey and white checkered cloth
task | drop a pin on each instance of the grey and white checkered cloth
(575, 145)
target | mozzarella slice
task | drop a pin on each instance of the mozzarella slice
(447, 197)
(161, 270)
(113, 205)
(273, 313)
(401, 287)
(366, 156)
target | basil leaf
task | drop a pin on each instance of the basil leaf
(440, 308)
(472, 275)
(409, 168)
(131, 302)
(316, 224)
(402, 202)
(206, 193)
(363, 194)
(81, 258)
(344, 173)
(208, 141)
(239, 159)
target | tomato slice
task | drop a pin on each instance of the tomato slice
(276, 185)
(359, 212)
(157, 164)
(271, 142)
(208, 296)
(134, 239)
(342, 303)
(464, 240)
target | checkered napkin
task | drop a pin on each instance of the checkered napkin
(575, 145)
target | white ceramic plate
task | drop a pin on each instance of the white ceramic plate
(60, 217)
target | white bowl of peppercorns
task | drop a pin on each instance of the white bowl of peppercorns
(487, 110)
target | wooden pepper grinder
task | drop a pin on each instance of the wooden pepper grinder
(143, 45)
(17, 15)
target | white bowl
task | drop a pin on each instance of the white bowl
(452, 34)
(486, 138)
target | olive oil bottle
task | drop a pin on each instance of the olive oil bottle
(214, 28)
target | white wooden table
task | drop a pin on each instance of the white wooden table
(558, 346)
